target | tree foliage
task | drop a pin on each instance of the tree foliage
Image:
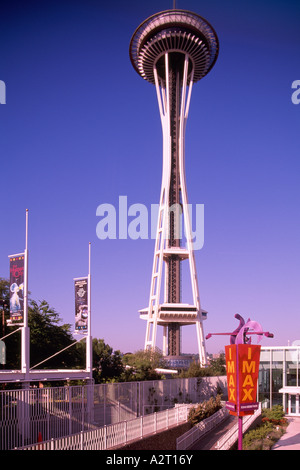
(4, 291)
(142, 365)
(216, 367)
(107, 364)
(48, 337)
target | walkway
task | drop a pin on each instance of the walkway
(209, 441)
(291, 439)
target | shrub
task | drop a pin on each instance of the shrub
(274, 415)
(205, 409)
(276, 412)
(257, 434)
(264, 436)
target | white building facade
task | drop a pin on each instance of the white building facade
(279, 377)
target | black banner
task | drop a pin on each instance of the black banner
(81, 305)
(16, 287)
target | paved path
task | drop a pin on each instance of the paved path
(291, 439)
(209, 441)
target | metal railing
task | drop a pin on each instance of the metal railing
(116, 435)
(62, 411)
(185, 441)
(58, 411)
(231, 437)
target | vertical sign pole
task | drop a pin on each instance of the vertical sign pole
(89, 352)
(25, 329)
(240, 444)
(246, 377)
(240, 418)
(25, 344)
(89, 337)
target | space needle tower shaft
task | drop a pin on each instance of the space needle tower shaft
(172, 50)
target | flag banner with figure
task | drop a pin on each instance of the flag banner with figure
(16, 288)
(81, 304)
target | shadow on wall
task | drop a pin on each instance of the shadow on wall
(212, 386)
(161, 394)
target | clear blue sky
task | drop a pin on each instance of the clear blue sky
(80, 128)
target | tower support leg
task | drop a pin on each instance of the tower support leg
(173, 94)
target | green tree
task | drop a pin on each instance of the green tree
(4, 291)
(4, 303)
(216, 367)
(107, 364)
(142, 365)
(195, 370)
(48, 337)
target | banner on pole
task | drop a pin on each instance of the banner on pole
(81, 305)
(16, 288)
(242, 364)
(231, 371)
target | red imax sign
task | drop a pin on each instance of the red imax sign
(242, 363)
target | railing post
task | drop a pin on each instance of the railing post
(70, 410)
(82, 408)
(49, 405)
(104, 403)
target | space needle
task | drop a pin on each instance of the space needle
(172, 50)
